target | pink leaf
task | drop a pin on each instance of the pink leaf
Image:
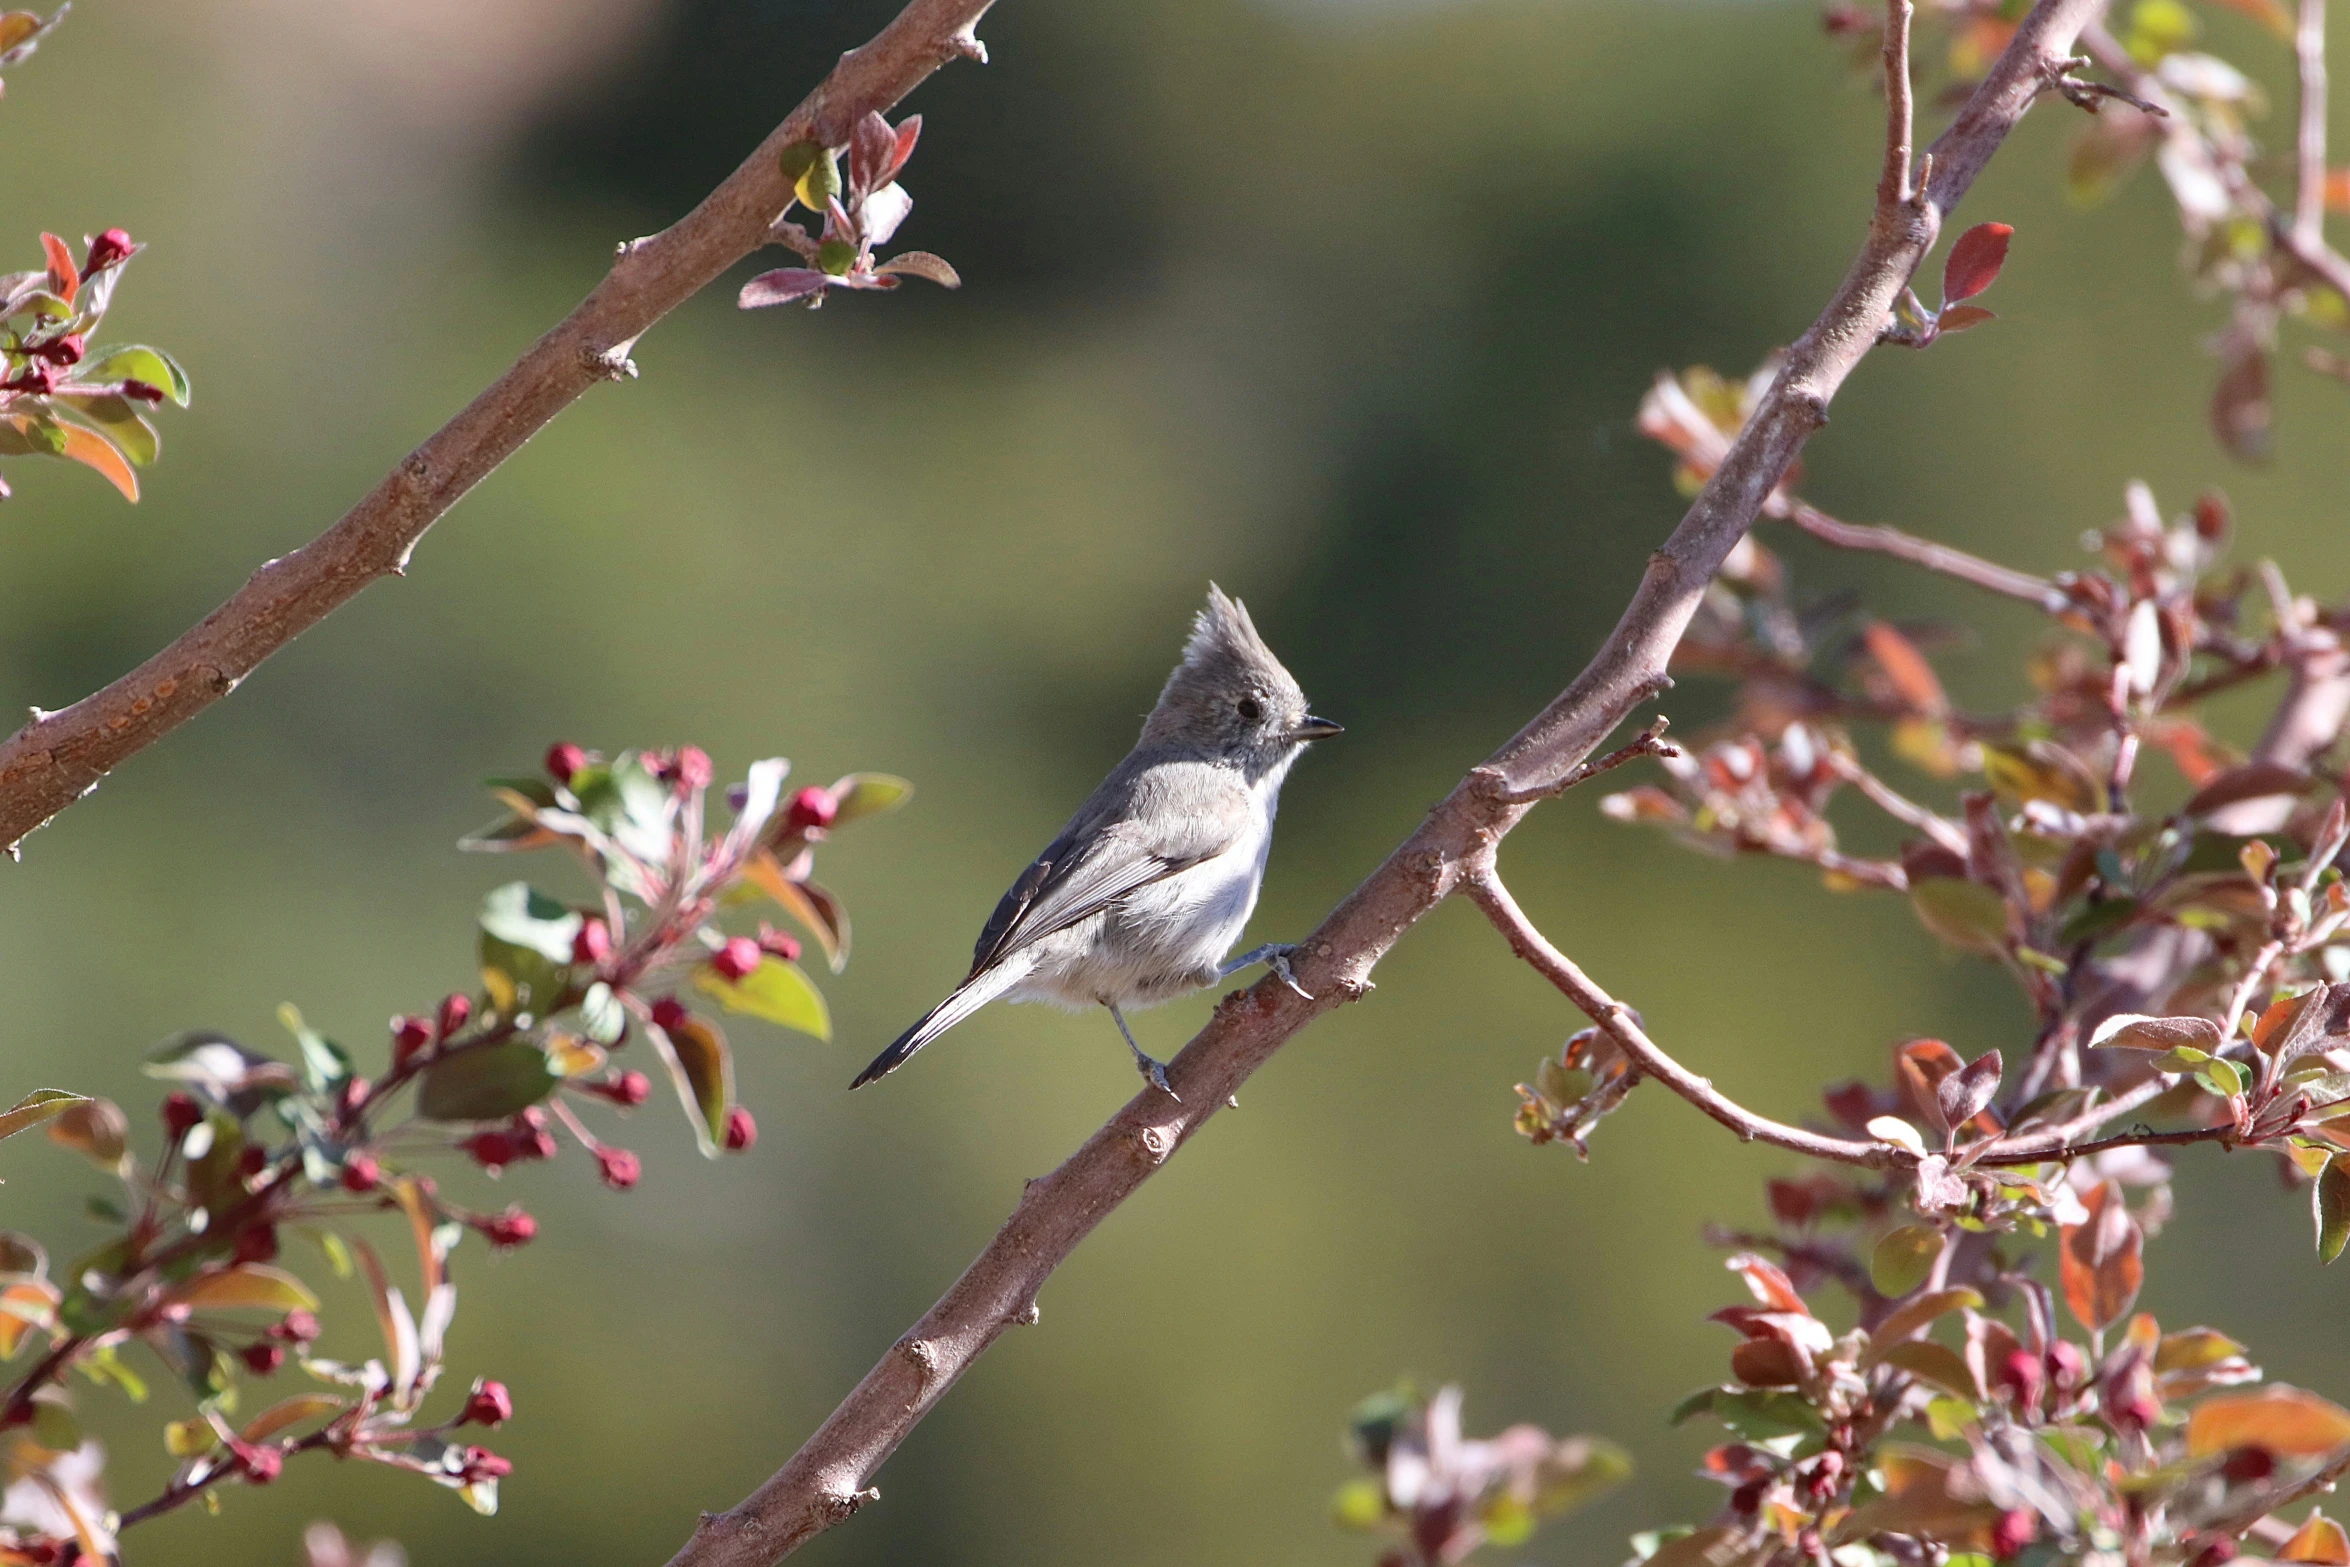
(922, 264)
(1975, 261)
(780, 287)
(909, 131)
(871, 146)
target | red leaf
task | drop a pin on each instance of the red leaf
(1957, 318)
(1913, 679)
(909, 131)
(780, 287)
(2101, 1263)
(61, 268)
(1975, 261)
(1772, 1287)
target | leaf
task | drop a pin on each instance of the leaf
(1713, 1547)
(1965, 914)
(817, 910)
(1893, 1129)
(1912, 1317)
(783, 286)
(2252, 781)
(16, 27)
(1766, 1362)
(1963, 1094)
(1912, 678)
(924, 265)
(2284, 1420)
(2329, 1204)
(2192, 1349)
(1903, 1259)
(1764, 1414)
(325, 1064)
(2101, 1264)
(1936, 1363)
(2319, 1540)
(64, 276)
(93, 450)
(95, 1128)
(1768, 1283)
(290, 1412)
(868, 794)
(778, 991)
(2240, 407)
(703, 1070)
(2137, 1031)
(253, 1284)
(485, 1083)
(1957, 318)
(137, 362)
(25, 1305)
(523, 916)
(119, 420)
(1974, 261)
(191, 1438)
(36, 1107)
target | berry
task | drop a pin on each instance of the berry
(621, 1169)
(811, 809)
(593, 944)
(564, 760)
(361, 1173)
(741, 1130)
(109, 249)
(738, 960)
(263, 1359)
(181, 1114)
(488, 1405)
(509, 1229)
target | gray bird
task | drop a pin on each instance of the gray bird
(1154, 878)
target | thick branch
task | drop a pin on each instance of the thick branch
(826, 1481)
(59, 757)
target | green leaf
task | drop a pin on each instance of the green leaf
(119, 420)
(137, 362)
(522, 916)
(631, 805)
(778, 991)
(1763, 1415)
(36, 1107)
(251, 1284)
(2329, 1201)
(703, 1070)
(324, 1063)
(868, 794)
(1903, 1260)
(2224, 1078)
(485, 1083)
(1934, 1363)
(1965, 914)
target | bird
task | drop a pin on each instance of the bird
(1153, 880)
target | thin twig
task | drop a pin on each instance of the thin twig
(826, 1481)
(2309, 204)
(2038, 592)
(1893, 188)
(59, 757)
(1945, 832)
(1649, 742)
(1485, 889)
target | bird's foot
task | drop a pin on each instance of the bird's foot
(1157, 1074)
(1275, 956)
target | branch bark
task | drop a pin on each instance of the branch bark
(59, 757)
(827, 1480)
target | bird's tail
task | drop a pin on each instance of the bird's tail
(967, 998)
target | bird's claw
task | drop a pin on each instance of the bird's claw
(1157, 1074)
(1278, 961)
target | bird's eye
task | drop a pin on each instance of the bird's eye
(1251, 709)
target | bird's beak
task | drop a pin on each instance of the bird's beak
(1315, 729)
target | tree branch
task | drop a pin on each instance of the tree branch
(826, 1481)
(2309, 205)
(59, 757)
(1992, 577)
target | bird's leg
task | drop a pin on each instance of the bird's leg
(1275, 956)
(1143, 1063)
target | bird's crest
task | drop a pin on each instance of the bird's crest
(1224, 640)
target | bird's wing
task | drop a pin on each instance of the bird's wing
(1123, 839)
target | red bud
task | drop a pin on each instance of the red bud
(738, 960)
(108, 249)
(509, 1229)
(262, 1359)
(593, 944)
(454, 1012)
(563, 760)
(741, 1130)
(811, 809)
(488, 1405)
(669, 1013)
(693, 768)
(180, 1114)
(621, 1169)
(361, 1173)
(492, 1150)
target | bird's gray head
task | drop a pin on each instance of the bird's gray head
(1231, 697)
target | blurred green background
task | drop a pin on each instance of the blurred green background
(1344, 305)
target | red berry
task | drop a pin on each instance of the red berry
(482, 1464)
(509, 1229)
(454, 1012)
(669, 1014)
(693, 768)
(621, 1169)
(563, 760)
(776, 944)
(409, 1035)
(108, 249)
(361, 1173)
(811, 809)
(593, 944)
(630, 1089)
(257, 1243)
(741, 1130)
(493, 1150)
(488, 1405)
(299, 1327)
(263, 1359)
(738, 960)
(181, 1114)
